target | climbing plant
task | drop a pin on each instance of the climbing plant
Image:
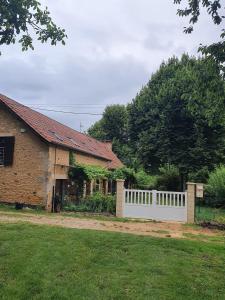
(87, 172)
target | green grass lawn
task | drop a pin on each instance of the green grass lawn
(41, 262)
(210, 214)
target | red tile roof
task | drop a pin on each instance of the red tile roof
(59, 134)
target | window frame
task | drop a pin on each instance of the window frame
(8, 144)
(97, 187)
(2, 161)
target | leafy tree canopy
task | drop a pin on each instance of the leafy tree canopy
(114, 127)
(20, 18)
(178, 117)
(113, 124)
(214, 9)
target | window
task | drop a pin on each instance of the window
(97, 185)
(6, 150)
(2, 155)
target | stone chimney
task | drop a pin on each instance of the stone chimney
(108, 144)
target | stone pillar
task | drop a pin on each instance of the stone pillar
(119, 197)
(91, 187)
(106, 187)
(191, 193)
(85, 189)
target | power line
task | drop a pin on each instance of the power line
(66, 105)
(68, 112)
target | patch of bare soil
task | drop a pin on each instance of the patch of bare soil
(156, 229)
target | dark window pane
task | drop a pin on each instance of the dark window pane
(7, 146)
(2, 156)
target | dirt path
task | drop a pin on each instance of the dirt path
(157, 229)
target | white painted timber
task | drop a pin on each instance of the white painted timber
(155, 205)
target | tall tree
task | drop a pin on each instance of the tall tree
(216, 12)
(114, 127)
(113, 124)
(178, 117)
(19, 18)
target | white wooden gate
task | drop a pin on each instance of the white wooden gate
(155, 205)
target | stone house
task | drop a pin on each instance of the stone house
(34, 155)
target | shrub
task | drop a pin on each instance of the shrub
(96, 203)
(216, 185)
(146, 181)
(169, 178)
(125, 173)
(201, 175)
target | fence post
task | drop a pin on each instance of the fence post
(154, 197)
(191, 193)
(119, 197)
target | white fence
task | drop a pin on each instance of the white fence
(156, 205)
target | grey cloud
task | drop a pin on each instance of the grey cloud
(112, 50)
(77, 82)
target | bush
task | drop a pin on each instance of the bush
(146, 181)
(97, 203)
(169, 178)
(125, 173)
(201, 175)
(216, 185)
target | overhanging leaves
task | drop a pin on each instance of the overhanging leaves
(19, 19)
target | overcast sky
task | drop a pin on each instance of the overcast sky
(113, 47)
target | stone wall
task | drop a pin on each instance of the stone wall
(62, 157)
(24, 181)
(85, 159)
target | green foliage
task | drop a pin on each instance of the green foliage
(216, 184)
(125, 153)
(210, 214)
(95, 172)
(200, 176)
(114, 127)
(72, 158)
(177, 117)
(97, 203)
(125, 173)
(97, 131)
(139, 179)
(80, 173)
(113, 124)
(20, 17)
(87, 172)
(214, 9)
(169, 178)
(146, 181)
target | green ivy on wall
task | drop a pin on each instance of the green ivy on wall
(87, 172)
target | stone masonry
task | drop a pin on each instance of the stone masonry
(25, 180)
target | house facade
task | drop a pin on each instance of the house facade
(35, 151)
